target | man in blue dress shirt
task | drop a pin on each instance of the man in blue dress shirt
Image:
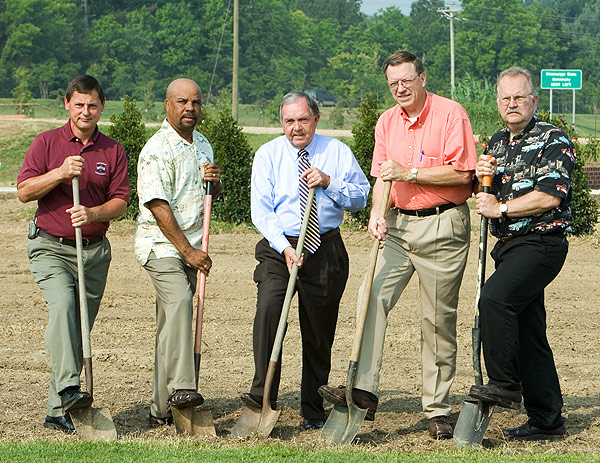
(276, 212)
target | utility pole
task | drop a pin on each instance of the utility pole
(234, 80)
(85, 13)
(450, 15)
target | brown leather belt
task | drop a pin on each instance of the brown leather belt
(427, 212)
(68, 242)
(324, 237)
(505, 239)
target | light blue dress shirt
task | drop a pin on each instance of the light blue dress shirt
(275, 203)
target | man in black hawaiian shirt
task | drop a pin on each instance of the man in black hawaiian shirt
(529, 208)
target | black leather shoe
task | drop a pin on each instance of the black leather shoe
(184, 398)
(255, 402)
(528, 432)
(313, 424)
(156, 422)
(500, 396)
(73, 399)
(363, 399)
(61, 423)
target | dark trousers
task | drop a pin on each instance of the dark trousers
(513, 323)
(320, 285)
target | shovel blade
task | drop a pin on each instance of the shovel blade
(472, 423)
(94, 424)
(255, 422)
(342, 425)
(247, 423)
(193, 421)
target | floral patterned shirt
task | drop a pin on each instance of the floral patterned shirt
(172, 169)
(541, 158)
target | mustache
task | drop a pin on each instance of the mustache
(516, 110)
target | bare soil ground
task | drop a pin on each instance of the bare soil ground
(123, 337)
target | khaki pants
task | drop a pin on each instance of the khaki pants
(54, 268)
(436, 247)
(175, 285)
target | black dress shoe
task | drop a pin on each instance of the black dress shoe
(363, 399)
(313, 424)
(62, 423)
(498, 395)
(528, 432)
(184, 398)
(156, 422)
(73, 399)
(255, 402)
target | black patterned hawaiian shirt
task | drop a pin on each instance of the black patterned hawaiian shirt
(541, 157)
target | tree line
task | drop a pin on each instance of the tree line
(135, 47)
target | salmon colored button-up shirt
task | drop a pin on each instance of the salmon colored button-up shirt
(440, 135)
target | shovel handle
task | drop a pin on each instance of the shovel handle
(364, 302)
(289, 293)
(476, 332)
(202, 281)
(83, 307)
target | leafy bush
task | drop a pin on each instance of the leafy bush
(478, 97)
(336, 118)
(363, 145)
(234, 155)
(129, 130)
(583, 207)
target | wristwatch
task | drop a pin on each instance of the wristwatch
(503, 209)
(414, 171)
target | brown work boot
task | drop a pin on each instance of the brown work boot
(498, 395)
(439, 428)
(363, 399)
(255, 402)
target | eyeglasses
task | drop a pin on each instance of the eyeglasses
(404, 82)
(519, 99)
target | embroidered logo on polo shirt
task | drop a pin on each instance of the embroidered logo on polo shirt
(101, 168)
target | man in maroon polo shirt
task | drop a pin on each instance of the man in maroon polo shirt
(76, 149)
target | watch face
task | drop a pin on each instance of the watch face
(414, 170)
(503, 208)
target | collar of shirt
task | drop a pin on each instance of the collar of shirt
(523, 133)
(68, 135)
(422, 115)
(172, 133)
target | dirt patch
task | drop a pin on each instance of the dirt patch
(123, 340)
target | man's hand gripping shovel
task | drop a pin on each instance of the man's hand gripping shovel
(343, 422)
(194, 420)
(475, 415)
(262, 422)
(90, 423)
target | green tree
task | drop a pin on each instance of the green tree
(129, 130)
(363, 144)
(233, 153)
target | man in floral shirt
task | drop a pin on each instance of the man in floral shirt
(531, 163)
(172, 170)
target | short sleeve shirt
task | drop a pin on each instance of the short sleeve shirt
(540, 158)
(171, 169)
(103, 177)
(440, 135)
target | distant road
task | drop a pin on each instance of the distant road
(247, 129)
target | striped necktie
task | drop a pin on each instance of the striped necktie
(312, 241)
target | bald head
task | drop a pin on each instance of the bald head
(183, 105)
(180, 84)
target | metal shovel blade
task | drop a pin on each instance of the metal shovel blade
(258, 422)
(343, 424)
(472, 423)
(193, 421)
(94, 424)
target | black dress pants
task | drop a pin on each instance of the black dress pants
(320, 285)
(513, 323)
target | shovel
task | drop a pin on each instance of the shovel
(475, 415)
(262, 422)
(90, 423)
(192, 420)
(343, 422)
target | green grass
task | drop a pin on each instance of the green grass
(187, 451)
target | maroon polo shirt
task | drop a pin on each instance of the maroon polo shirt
(103, 177)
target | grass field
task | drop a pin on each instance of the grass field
(183, 451)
